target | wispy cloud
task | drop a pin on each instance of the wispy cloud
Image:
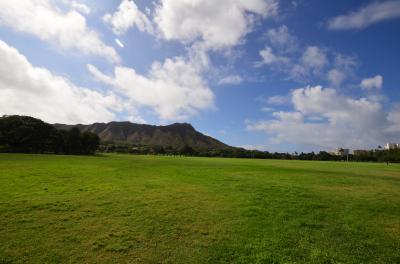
(366, 16)
(372, 83)
(231, 80)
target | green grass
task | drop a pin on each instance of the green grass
(145, 209)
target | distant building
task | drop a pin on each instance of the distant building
(341, 152)
(390, 146)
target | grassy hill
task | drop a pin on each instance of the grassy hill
(146, 209)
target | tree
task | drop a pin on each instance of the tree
(159, 150)
(89, 142)
(187, 151)
(24, 134)
(57, 142)
(73, 141)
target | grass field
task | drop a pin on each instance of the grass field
(145, 209)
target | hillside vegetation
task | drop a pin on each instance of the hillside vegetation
(24, 134)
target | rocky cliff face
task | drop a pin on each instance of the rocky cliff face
(175, 135)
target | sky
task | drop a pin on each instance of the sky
(276, 75)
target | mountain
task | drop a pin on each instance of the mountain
(175, 135)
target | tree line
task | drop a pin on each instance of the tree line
(24, 134)
(377, 155)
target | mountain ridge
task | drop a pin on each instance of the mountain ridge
(173, 135)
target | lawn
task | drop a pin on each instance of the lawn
(146, 209)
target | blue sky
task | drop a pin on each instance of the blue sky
(277, 75)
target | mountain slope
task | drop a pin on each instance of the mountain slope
(175, 135)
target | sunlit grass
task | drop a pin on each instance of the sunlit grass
(146, 209)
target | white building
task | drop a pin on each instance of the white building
(341, 152)
(390, 146)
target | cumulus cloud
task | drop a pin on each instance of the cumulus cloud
(279, 36)
(289, 117)
(174, 90)
(127, 16)
(202, 26)
(217, 24)
(285, 54)
(336, 77)
(314, 58)
(324, 119)
(394, 119)
(372, 83)
(78, 6)
(312, 62)
(269, 58)
(282, 39)
(29, 90)
(366, 16)
(43, 19)
(231, 80)
(344, 68)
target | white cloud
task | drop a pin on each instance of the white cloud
(270, 103)
(336, 77)
(281, 38)
(366, 16)
(344, 68)
(278, 100)
(29, 90)
(314, 58)
(312, 62)
(285, 54)
(298, 64)
(289, 117)
(296, 4)
(127, 16)
(231, 80)
(46, 21)
(372, 83)
(78, 6)
(324, 119)
(174, 90)
(268, 58)
(394, 120)
(217, 24)
(267, 109)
